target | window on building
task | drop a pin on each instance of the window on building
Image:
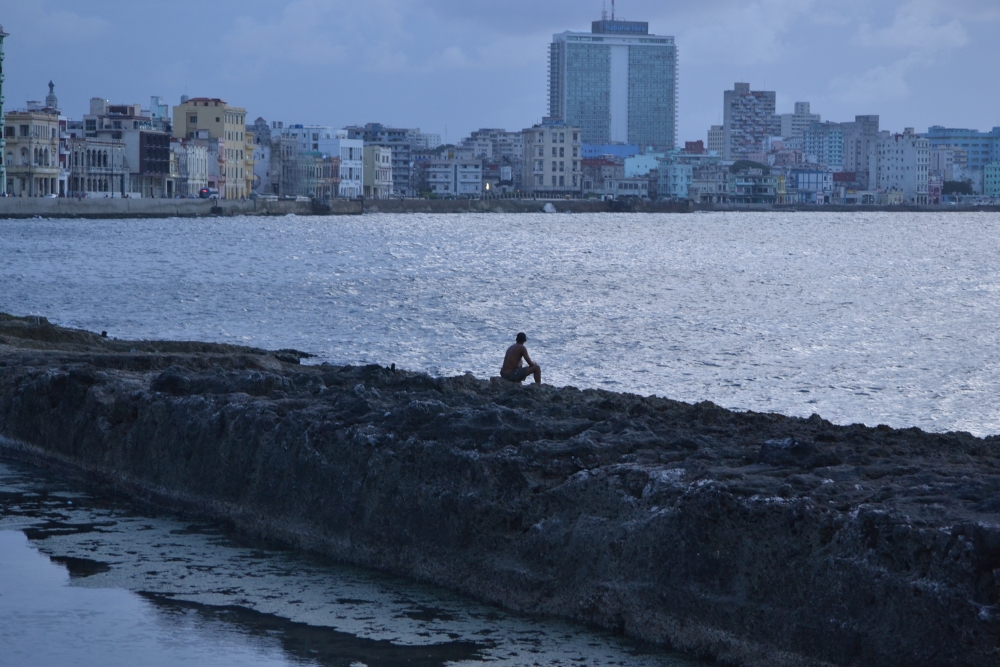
(193, 119)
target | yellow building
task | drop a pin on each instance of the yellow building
(212, 118)
(32, 153)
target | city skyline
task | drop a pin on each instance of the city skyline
(404, 64)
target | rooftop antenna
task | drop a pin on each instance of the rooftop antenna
(612, 10)
(604, 10)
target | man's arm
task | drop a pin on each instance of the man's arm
(524, 353)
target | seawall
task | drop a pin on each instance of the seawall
(755, 539)
(25, 207)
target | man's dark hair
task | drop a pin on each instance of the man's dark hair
(521, 338)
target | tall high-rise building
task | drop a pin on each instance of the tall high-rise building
(617, 83)
(3, 142)
(860, 140)
(748, 121)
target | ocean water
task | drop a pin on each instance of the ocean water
(869, 317)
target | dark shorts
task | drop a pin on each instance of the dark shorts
(516, 375)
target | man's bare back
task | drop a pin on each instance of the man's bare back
(513, 370)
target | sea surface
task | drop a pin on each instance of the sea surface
(88, 582)
(874, 318)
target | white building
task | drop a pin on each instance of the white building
(675, 180)
(553, 160)
(900, 164)
(333, 142)
(453, 177)
(192, 166)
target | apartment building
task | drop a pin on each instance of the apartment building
(378, 172)
(749, 121)
(209, 118)
(552, 159)
(900, 167)
(31, 153)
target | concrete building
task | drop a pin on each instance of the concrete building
(860, 139)
(751, 186)
(982, 148)
(901, 164)
(794, 125)
(3, 133)
(824, 144)
(97, 168)
(552, 159)
(147, 150)
(617, 83)
(404, 142)
(261, 132)
(334, 143)
(810, 186)
(676, 179)
(192, 159)
(31, 153)
(450, 175)
(749, 121)
(599, 173)
(991, 180)
(226, 124)
(426, 142)
(950, 163)
(378, 172)
(716, 139)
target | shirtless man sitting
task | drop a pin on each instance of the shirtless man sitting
(512, 369)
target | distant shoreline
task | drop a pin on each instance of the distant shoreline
(22, 208)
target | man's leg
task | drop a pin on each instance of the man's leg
(537, 371)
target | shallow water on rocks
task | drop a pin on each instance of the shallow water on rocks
(869, 317)
(85, 581)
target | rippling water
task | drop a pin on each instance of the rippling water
(84, 581)
(872, 318)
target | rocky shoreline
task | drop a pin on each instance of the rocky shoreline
(753, 539)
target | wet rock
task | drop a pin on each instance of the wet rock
(755, 539)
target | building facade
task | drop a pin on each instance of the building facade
(403, 142)
(991, 180)
(333, 143)
(31, 153)
(192, 166)
(748, 121)
(97, 168)
(226, 124)
(552, 159)
(794, 125)
(617, 83)
(378, 172)
(3, 134)
(824, 142)
(860, 140)
(982, 148)
(451, 176)
(900, 167)
(716, 139)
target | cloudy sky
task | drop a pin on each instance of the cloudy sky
(450, 66)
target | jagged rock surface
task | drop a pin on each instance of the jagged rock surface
(751, 538)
